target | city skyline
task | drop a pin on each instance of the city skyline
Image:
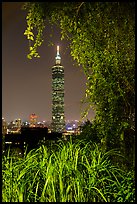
(27, 84)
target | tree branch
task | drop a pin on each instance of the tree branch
(80, 6)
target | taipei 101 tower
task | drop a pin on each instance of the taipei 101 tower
(58, 119)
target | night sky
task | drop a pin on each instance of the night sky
(26, 84)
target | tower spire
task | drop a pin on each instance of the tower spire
(57, 49)
(58, 58)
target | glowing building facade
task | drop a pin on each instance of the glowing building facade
(58, 119)
(33, 120)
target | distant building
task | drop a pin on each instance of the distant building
(4, 126)
(11, 125)
(18, 123)
(25, 124)
(14, 126)
(33, 120)
(58, 118)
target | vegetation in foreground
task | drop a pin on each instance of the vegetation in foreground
(101, 38)
(69, 172)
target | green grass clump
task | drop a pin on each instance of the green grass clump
(70, 173)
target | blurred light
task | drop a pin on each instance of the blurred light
(69, 128)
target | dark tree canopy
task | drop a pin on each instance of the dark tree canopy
(102, 40)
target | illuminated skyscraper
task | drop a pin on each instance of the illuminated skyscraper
(58, 119)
